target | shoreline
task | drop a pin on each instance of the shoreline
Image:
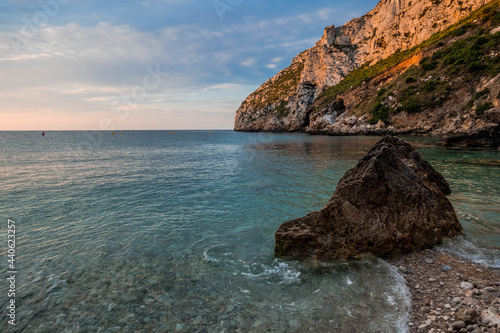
(450, 291)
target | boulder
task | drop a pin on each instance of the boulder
(467, 315)
(490, 316)
(391, 202)
(487, 137)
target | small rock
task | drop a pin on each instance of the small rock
(432, 280)
(470, 301)
(466, 286)
(489, 290)
(446, 268)
(490, 316)
(457, 325)
(467, 315)
(429, 261)
(422, 327)
(447, 306)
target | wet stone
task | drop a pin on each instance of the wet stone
(457, 325)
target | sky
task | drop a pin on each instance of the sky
(148, 64)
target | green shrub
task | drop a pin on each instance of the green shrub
(482, 108)
(282, 110)
(476, 67)
(431, 86)
(470, 104)
(380, 112)
(461, 30)
(409, 92)
(410, 80)
(381, 92)
(414, 105)
(428, 64)
(481, 93)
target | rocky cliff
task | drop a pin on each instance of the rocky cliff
(286, 101)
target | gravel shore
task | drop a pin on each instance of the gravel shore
(450, 294)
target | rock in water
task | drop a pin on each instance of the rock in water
(391, 202)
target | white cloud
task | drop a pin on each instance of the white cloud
(85, 70)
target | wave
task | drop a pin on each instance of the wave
(463, 248)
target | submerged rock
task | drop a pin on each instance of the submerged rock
(391, 202)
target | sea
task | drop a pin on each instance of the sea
(173, 231)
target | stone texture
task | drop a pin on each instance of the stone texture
(281, 103)
(482, 137)
(490, 315)
(467, 315)
(391, 202)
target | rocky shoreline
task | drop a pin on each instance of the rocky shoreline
(450, 294)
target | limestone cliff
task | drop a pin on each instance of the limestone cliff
(282, 103)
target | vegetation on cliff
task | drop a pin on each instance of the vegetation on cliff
(469, 56)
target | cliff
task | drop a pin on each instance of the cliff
(303, 97)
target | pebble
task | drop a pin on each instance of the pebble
(429, 261)
(446, 268)
(457, 325)
(466, 286)
(489, 290)
(422, 327)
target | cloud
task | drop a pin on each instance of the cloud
(78, 68)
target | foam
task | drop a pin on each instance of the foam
(465, 249)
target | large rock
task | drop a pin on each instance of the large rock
(486, 137)
(391, 202)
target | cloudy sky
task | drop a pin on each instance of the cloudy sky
(148, 64)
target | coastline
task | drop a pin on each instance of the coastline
(441, 284)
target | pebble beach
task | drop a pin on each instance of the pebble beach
(450, 294)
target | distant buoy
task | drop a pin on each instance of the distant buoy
(113, 133)
(173, 133)
(121, 132)
(43, 133)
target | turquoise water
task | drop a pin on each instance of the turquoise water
(154, 231)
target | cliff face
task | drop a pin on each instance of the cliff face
(281, 103)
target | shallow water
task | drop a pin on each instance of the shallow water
(160, 232)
